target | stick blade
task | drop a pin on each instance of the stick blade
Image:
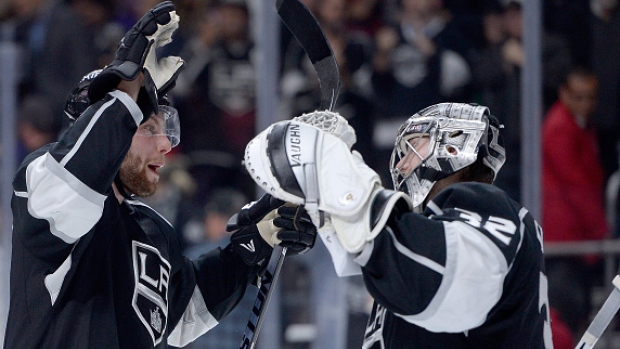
(306, 29)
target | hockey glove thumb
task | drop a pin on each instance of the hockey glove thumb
(253, 212)
(254, 243)
(297, 233)
(253, 237)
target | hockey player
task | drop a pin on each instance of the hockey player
(450, 260)
(92, 266)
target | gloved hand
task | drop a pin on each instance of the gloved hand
(262, 224)
(153, 30)
(321, 173)
(297, 233)
(253, 227)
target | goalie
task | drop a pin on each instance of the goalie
(450, 259)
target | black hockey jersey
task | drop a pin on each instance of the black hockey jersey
(88, 272)
(469, 273)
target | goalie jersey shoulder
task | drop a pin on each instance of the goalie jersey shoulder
(489, 210)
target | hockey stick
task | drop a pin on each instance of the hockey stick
(602, 318)
(301, 22)
(306, 29)
(255, 322)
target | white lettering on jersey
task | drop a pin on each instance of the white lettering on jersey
(150, 297)
(502, 229)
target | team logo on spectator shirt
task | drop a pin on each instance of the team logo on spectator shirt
(150, 296)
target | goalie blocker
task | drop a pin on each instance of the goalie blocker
(304, 165)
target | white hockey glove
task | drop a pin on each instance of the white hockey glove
(304, 165)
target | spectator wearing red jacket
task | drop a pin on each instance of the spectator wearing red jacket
(573, 195)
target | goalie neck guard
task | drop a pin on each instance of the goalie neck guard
(458, 133)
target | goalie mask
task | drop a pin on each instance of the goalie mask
(441, 140)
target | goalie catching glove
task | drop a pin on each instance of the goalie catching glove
(137, 53)
(265, 223)
(304, 165)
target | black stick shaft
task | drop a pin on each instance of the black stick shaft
(265, 291)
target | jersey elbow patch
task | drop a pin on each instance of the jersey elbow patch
(196, 321)
(55, 195)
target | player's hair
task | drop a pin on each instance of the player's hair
(478, 172)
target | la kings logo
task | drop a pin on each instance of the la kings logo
(373, 337)
(150, 297)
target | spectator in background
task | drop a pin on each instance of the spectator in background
(105, 32)
(420, 59)
(222, 204)
(208, 230)
(604, 53)
(352, 50)
(36, 125)
(58, 50)
(217, 97)
(573, 202)
(571, 19)
(365, 16)
(497, 80)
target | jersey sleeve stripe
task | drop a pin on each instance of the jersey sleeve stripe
(54, 194)
(429, 263)
(196, 321)
(53, 282)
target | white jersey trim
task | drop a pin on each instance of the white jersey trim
(56, 195)
(131, 105)
(53, 282)
(475, 270)
(195, 322)
(427, 262)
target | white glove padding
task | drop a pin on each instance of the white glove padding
(301, 164)
(330, 122)
(165, 70)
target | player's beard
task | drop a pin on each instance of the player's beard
(134, 177)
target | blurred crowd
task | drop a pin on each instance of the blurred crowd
(395, 57)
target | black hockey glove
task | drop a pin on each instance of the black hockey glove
(298, 234)
(264, 223)
(247, 239)
(137, 48)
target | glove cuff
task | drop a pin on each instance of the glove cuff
(250, 246)
(355, 231)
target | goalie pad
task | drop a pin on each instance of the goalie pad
(303, 165)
